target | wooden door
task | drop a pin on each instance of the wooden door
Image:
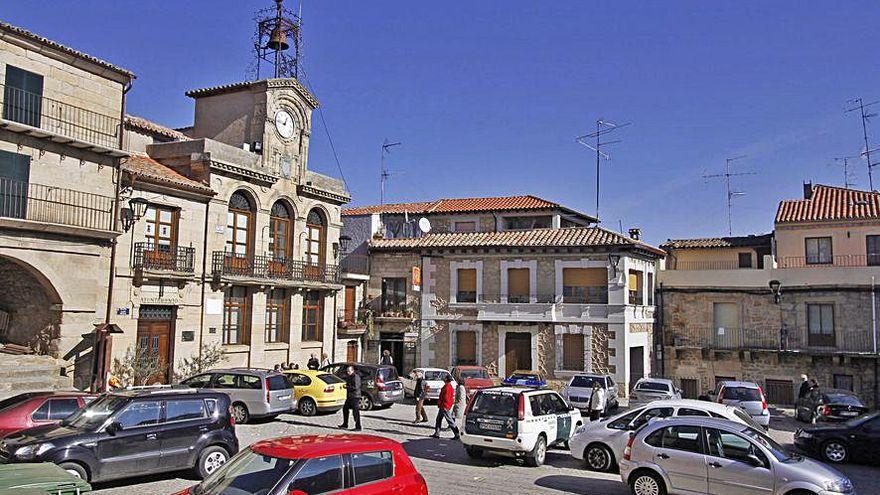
(779, 392)
(517, 351)
(154, 339)
(350, 315)
(351, 351)
(636, 364)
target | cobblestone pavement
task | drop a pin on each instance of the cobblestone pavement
(447, 468)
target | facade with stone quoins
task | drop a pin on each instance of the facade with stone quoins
(721, 319)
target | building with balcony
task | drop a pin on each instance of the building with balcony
(768, 308)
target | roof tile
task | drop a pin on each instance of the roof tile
(829, 203)
(153, 171)
(460, 205)
(719, 242)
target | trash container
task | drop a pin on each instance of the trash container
(43, 478)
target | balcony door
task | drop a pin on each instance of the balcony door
(23, 96)
(280, 240)
(15, 170)
(350, 315)
(239, 234)
(316, 237)
(517, 351)
(160, 235)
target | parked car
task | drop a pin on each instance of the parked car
(525, 378)
(601, 443)
(316, 391)
(39, 408)
(829, 405)
(854, 439)
(255, 393)
(380, 385)
(311, 464)
(473, 377)
(579, 389)
(133, 433)
(518, 422)
(40, 478)
(748, 396)
(650, 389)
(435, 378)
(714, 456)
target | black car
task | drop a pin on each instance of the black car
(829, 405)
(133, 433)
(856, 439)
(380, 385)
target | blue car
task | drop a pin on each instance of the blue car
(525, 378)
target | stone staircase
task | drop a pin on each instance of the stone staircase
(30, 373)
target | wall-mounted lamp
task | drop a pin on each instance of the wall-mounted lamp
(614, 259)
(775, 285)
(344, 242)
(135, 210)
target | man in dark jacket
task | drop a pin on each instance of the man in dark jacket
(352, 399)
(444, 406)
(313, 363)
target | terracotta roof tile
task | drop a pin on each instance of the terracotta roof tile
(152, 171)
(719, 242)
(829, 203)
(568, 237)
(154, 128)
(463, 205)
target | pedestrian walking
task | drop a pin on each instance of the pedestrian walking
(461, 400)
(805, 387)
(325, 360)
(444, 406)
(419, 393)
(386, 358)
(313, 363)
(597, 402)
(352, 399)
(277, 367)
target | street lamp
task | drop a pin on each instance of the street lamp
(135, 210)
(614, 259)
(775, 285)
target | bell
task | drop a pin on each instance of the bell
(277, 40)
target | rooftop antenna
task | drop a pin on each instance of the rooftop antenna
(384, 173)
(603, 127)
(861, 106)
(730, 192)
(277, 29)
(848, 176)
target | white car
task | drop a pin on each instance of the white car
(747, 396)
(651, 389)
(435, 378)
(518, 422)
(601, 443)
(579, 389)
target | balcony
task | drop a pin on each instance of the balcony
(844, 260)
(151, 261)
(351, 321)
(36, 115)
(355, 264)
(708, 265)
(235, 268)
(47, 208)
(845, 341)
(544, 308)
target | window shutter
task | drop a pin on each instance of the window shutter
(584, 277)
(466, 347)
(467, 279)
(573, 352)
(518, 281)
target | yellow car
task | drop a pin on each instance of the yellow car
(316, 391)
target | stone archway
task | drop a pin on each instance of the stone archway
(32, 307)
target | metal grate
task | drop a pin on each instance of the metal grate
(156, 313)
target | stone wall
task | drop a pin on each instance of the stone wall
(31, 311)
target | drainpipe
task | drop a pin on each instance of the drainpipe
(204, 270)
(874, 328)
(658, 321)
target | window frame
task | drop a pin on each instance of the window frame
(821, 338)
(28, 113)
(153, 240)
(316, 235)
(317, 307)
(466, 296)
(397, 303)
(234, 226)
(818, 255)
(277, 316)
(349, 461)
(242, 306)
(567, 366)
(872, 258)
(741, 257)
(636, 296)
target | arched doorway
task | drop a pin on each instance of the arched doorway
(30, 307)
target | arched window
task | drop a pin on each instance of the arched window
(316, 231)
(280, 240)
(239, 225)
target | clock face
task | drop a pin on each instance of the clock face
(284, 124)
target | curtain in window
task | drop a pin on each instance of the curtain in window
(518, 285)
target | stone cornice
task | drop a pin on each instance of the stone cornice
(304, 190)
(244, 172)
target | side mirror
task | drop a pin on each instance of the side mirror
(113, 428)
(755, 461)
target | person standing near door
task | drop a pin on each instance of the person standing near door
(386, 358)
(313, 363)
(460, 405)
(419, 393)
(325, 360)
(597, 402)
(352, 399)
(444, 406)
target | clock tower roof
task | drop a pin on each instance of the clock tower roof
(265, 84)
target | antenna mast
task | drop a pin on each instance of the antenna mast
(277, 29)
(861, 106)
(384, 173)
(603, 127)
(847, 174)
(730, 192)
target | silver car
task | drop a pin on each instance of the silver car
(579, 389)
(747, 396)
(254, 392)
(650, 389)
(714, 456)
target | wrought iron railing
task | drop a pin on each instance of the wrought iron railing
(355, 263)
(40, 203)
(708, 265)
(351, 318)
(149, 256)
(271, 268)
(60, 118)
(842, 260)
(854, 340)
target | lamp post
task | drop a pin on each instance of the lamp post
(135, 210)
(775, 285)
(614, 259)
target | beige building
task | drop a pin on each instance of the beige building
(722, 319)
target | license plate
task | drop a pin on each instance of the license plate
(849, 413)
(283, 397)
(490, 427)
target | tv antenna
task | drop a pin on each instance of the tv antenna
(731, 193)
(848, 176)
(861, 106)
(277, 29)
(384, 173)
(603, 127)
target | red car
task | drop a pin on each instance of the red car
(473, 377)
(313, 464)
(38, 408)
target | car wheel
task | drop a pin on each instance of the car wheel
(834, 451)
(307, 407)
(240, 413)
(365, 403)
(210, 460)
(539, 453)
(598, 457)
(474, 452)
(647, 483)
(75, 469)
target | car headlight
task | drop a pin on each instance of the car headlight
(32, 451)
(803, 434)
(841, 485)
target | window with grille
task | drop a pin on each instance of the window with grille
(277, 315)
(160, 313)
(466, 291)
(23, 96)
(466, 347)
(236, 316)
(585, 285)
(313, 309)
(573, 352)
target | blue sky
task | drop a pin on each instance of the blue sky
(487, 97)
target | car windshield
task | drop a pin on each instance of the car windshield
(279, 382)
(248, 473)
(653, 386)
(742, 394)
(94, 415)
(495, 404)
(845, 399)
(768, 443)
(745, 418)
(436, 375)
(330, 379)
(387, 374)
(587, 381)
(468, 374)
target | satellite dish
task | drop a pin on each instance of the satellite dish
(424, 225)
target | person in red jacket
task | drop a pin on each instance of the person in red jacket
(444, 407)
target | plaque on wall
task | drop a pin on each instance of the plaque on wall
(188, 336)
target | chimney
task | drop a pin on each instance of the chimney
(635, 233)
(808, 190)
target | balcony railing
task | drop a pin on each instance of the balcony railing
(163, 258)
(355, 263)
(843, 260)
(351, 318)
(60, 118)
(850, 340)
(39, 203)
(708, 265)
(271, 268)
